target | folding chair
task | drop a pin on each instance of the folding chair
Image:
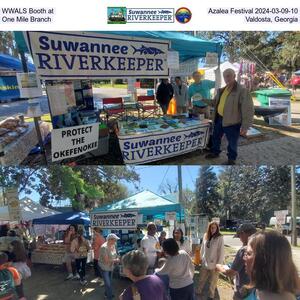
(113, 107)
(147, 104)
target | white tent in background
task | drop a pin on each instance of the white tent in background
(30, 210)
(210, 73)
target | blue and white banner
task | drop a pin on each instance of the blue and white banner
(59, 55)
(145, 148)
(9, 88)
(115, 220)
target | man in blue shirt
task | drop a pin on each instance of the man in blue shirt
(200, 87)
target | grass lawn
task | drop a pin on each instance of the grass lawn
(108, 85)
(228, 232)
(45, 118)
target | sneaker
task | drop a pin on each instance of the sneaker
(83, 282)
(70, 276)
(211, 155)
(77, 277)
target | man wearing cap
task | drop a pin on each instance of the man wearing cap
(107, 258)
(150, 246)
(237, 269)
(200, 87)
(233, 116)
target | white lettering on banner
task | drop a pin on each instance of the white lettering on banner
(151, 147)
(118, 220)
(73, 141)
(60, 55)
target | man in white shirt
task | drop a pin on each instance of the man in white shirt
(150, 246)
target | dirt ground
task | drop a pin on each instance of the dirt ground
(48, 283)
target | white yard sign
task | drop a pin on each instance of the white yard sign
(74, 141)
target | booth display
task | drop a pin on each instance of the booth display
(139, 57)
(17, 139)
(52, 254)
(144, 141)
(127, 215)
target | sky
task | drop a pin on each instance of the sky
(152, 178)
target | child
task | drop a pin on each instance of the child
(10, 279)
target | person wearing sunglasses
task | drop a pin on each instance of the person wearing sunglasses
(212, 253)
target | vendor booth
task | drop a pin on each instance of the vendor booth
(54, 252)
(70, 62)
(9, 66)
(17, 137)
(29, 210)
(125, 216)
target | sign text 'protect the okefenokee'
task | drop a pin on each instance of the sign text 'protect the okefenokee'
(74, 141)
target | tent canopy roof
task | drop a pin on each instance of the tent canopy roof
(8, 62)
(146, 203)
(30, 210)
(187, 45)
(69, 218)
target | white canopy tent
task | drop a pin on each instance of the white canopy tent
(210, 73)
(30, 210)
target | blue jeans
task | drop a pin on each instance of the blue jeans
(232, 134)
(107, 278)
(185, 293)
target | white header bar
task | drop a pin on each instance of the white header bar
(174, 15)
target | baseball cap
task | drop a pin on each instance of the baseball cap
(246, 228)
(112, 236)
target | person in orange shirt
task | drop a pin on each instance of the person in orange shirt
(9, 279)
(98, 241)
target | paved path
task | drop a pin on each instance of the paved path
(236, 244)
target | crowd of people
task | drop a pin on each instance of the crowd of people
(162, 267)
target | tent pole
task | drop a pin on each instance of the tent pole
(24, 61)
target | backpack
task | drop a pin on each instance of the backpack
(7, 285)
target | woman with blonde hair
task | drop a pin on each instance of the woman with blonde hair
(212, 253)
(269, 263)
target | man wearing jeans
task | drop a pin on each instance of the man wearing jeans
(233, 116)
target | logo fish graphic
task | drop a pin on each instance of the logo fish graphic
(165, 12)
(147, 50)
(193, 134)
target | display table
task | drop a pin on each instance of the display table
(151, 140)
(17, 151)
(52, 254)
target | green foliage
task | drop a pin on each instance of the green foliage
(276, 50)
(244, 192)
(86, 187)
(7, 43)
(206, 192)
